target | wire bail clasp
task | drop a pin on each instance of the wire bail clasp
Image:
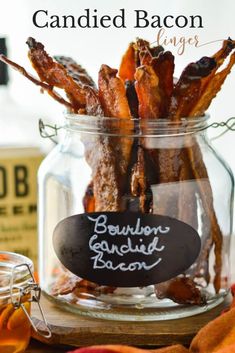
(229, 125)
(45, 134)
(32, 289)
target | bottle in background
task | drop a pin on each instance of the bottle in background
(20, 156)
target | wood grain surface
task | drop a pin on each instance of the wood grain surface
(72, 329)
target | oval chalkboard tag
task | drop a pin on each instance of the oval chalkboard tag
(125, 249)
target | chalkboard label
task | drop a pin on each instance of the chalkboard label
(125, 249)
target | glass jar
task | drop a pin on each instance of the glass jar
(17, 291)
(15, 328)
(135, 219)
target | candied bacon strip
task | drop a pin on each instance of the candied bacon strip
(207, 89)
(132, 98)
(128, 64)
(147, 54)
(89, 199)
(155, 51)
(105, 174)
(222, 53)
(112, 94)
(219, 57)
(164, 66)
(200, 173)
(187, 90)
(143, 52)
(45, 87)
(93, 104)
(147, 89)
(187, 200)
(55, 74)
(194, 167)
(76, 71)
(80, 75)
(66, 282)
(138, 180)
(212, 89)
(145, 57)
(181, 290)
(142, 44)
(191, 84)
(168, 162)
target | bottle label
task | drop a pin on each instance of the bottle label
(125, 249)
(18, 201)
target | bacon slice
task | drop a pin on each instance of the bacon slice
(181, 290)
(188, 193)
(44, 86)
(93, 104)
(67, 282)
(147, 54)
(113, 98)
(113, 94)
(213, 87)
(147, 89)
(206, 90)
(138, 179)
(76, 71)
(219, 57)
(89, 199)
(128, 64)
(163, 66)
(132, 98)
(188, 88)
(200, 173)
(55, 74)
(101, 157)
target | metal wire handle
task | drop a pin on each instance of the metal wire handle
(229, 126)
(44, 134)
(35, 291)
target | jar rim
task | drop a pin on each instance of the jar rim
(113, 126)
(8, 260)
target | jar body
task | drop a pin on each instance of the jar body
(167, 171)
(15, 328)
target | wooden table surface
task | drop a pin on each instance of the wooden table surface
(37, 347)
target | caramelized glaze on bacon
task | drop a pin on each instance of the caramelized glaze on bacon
(128, 64)
(113, 98)
(147, 88)
(188, 88)
(181, 290)
(76, 71)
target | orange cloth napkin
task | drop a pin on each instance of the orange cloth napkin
(218, 336)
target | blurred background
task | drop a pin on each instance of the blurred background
(92, 47)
